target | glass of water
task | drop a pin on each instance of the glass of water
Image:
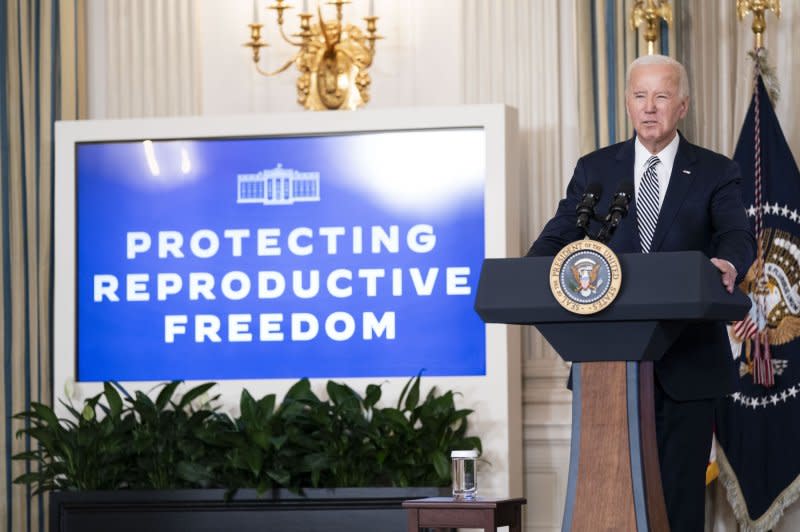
(465, 479)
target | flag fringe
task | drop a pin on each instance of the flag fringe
(733, 490)
(761, 62)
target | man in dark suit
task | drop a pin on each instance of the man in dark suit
(685, 198)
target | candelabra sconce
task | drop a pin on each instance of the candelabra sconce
(650, 13)
(333, 57)
(758, 8)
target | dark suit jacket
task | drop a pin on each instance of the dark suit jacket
(702, 211)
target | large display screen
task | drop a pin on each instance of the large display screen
(339, 255)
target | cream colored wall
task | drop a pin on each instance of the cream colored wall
(138, 65)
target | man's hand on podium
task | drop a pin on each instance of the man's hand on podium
(728, 273)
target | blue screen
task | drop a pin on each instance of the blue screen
(347, 255)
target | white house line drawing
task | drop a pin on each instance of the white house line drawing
(277, 186)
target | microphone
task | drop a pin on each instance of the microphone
(619, 207)
(585, 208)
(617, 211)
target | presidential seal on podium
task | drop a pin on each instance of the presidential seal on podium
(585, 276)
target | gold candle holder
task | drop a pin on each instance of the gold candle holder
(332, 57)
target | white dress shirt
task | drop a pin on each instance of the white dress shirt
(663, 170)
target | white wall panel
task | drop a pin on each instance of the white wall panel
(143, 58)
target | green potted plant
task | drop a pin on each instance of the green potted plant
(178, 453)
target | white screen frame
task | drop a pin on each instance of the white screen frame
(495, 397)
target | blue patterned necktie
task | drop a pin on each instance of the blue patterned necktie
(647, 204)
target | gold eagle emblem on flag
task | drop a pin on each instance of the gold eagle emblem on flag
(777, 294)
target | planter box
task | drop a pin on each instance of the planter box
(320, 510)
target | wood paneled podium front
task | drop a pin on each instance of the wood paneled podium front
(443, 513)
(614, 476)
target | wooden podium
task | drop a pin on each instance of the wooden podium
(614, 476)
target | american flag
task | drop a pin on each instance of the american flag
(745, 329)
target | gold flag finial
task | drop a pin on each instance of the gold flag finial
(650, 12)
(758, 8)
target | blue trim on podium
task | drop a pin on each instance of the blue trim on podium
(574, 449)
(634, 444)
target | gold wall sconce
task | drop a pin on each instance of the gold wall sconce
(333, 57)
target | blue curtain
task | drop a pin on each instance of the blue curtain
(40, 68)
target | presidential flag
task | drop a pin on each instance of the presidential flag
(757, 427)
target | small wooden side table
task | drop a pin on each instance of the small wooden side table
(446, 512)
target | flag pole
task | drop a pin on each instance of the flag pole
(761, 363)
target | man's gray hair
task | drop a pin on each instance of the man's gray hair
(683, 78)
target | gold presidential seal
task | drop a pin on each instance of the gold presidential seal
(585, 276)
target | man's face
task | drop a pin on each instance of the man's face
(654, 104)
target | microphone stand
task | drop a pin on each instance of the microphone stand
(605, 233)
